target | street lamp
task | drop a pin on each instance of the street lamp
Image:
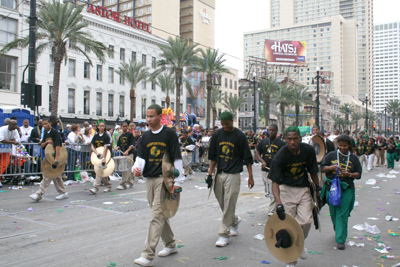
(254, 83)
(366, 111)
(317, 77)
(385, 123)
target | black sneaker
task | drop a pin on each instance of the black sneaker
(341, 246)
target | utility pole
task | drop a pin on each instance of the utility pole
(32, 53)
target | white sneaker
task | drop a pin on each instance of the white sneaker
(120, 187)
(293, 264)
(143, 262)
(141, 181)
(270, 213)
(190, 177)
(94, 190)
(62, 196)
(108, 189)
(222, 241)
(304, 254)
(167, 251)
(35, 197)
(235, 230)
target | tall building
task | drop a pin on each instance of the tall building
(386, 64)
(290, 13)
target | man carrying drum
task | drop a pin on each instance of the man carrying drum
(151, 149)
(125, 144)
(188, 146)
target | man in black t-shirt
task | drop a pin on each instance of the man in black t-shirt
(51, 136)
(380, 153)
(125, 144)
(152, 146)
(252, 141)
(229, 151)
(266, 151)
(291, 185)
(188, 146)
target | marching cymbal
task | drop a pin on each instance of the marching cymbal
(50, 153)
(98, 161)
(107, 170)
(169, 206)
(49, 171)
(319, 145)
(291, 235)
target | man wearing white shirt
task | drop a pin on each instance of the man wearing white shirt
(8, 135)
(26, 131)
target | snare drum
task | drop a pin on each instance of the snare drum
(205, 142)
(122, 163)
(186, 158)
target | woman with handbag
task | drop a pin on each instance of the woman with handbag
(346, 167)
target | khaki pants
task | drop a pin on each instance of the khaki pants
(98, 181)
(187, 168)
(297, 202)
(268, 191)
(362, 160)
(226, 190)
(382, 157)
(58, 183)
(127, 176)
(159, 225)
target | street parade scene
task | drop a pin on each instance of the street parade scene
(133, 136)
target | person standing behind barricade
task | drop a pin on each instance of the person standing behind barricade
(370, 153)
(8, 135)
(51, 137)
(101, 139)
(26, 131)
(265, 153)
(54, 121)
(228, 151)
(87, 147)
(391, 153)
(360, 152)
(74, 138)
(132, 128)
(125, 144)
(188, 146)
(94, 128)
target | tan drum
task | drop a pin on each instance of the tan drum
(186, 158)
(122, 163)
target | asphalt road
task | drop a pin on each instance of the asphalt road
(83, 231)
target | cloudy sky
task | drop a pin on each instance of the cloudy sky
(232, 20)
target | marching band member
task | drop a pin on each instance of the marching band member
(370, 153)
(152, 146)
(268, 148)
(188, 145)
(125, 144)
(51, 136)
(290, 182)
(228, 151)
(101, 139)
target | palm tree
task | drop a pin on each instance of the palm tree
(211, 63)
(57, 25)
(283, 97)
(133, 73)
(176, 55)
(393, 107)
(267, 88)
(347, 109)
(233, 103)
(300, 98)
(355, 117)
(336, 120)
(192, 95)
(342, 122)
(216, 97)
(167, 83)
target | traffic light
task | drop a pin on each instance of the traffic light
(388, 128)
(374, 127)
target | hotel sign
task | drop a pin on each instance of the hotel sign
(203, 15)
(113, 15)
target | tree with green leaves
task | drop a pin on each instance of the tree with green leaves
(355, 117)
(393, 107)
(216, 97)
(193, 95)
(268, 87)
(336, 120)
(176, 55)
(233, 103)
(166, 81)
(58, 25)
(300, 98)
(133, 73)
(346, 109)
(211, 62)
(284, 98)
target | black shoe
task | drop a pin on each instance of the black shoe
(341, 246)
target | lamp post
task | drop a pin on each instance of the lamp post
(366, 111)
(385, 123)
(317, 115)
(255, 120)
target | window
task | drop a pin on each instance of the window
(111, 2)
(51, 64)
(162, 104)
(71, 100)
(99, 73)
(153, 86)
(153, 62)
(71, 44)
(50, 92)
(110, 75)
(111, 50)
(149, 9)
(226, 82)
(110, 105)
(121, 80)
(144, 59)
(141, 11)
(122, 54)
(245, 107)
(149, 18)
(140, 2)
(143, 108)
(122, 106)
(71, 67)
(230, 83)
(8, 3)
(99, 99)
(86, 102)
(86, 70)
(172, 105)
(8, 29)
(153, 101)
(133, 56)
(235, 85)
(87, 48)
(143, 84)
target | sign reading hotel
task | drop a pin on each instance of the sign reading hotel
(204, 16)
(113, 15)
(286, 52)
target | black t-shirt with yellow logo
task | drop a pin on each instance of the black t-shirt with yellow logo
(268, 149)
(187, 141)
(99, 141)
(370, 149)
(251, 140)
(125, 141)
(152, 147)
(290, 169)
(230, 150)
(53, 135)
(360, 149)
(353, 167)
